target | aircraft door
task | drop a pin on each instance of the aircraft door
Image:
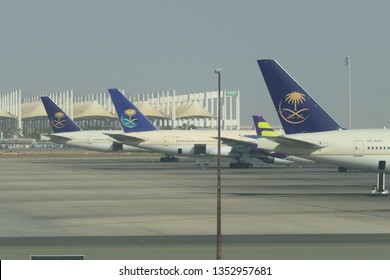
(117, 146)
(358, 148)
(199, 149)
(166, 140)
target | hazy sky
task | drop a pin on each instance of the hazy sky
(149, 46)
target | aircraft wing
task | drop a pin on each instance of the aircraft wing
(238, 145)
(59, 139)
(297, 143)
(126, 139)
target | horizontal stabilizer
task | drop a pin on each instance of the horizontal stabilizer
(59, 139)
(126, 139)
(291, 142)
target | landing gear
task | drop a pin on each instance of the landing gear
(380, 188)
(343, 169)
(169, 158)
(240, 164)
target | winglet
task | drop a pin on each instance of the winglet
(263, 128)
(297, 110)
(59, 120)
(131, 119)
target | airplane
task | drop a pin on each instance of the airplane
(311, 133)
(140, 132)
(263, 128)
(67, 132)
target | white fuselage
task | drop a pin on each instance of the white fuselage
(191, 142)
(94, 140)
(354, 149)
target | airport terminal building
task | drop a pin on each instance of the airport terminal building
(21, 115)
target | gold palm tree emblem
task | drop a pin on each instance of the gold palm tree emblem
(59, 115)
(295, 98)
(127, 119)
(295, 115)
(130, 112)
(58, 121)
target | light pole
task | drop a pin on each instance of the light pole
(219, 220)
(347, 61)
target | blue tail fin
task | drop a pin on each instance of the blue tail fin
(297, 110)
(132, 120)
(59, 120)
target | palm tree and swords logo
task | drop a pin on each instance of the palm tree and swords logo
(290, 109)
(58, 120)
(127, 118)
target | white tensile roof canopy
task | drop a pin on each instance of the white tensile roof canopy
(90, 109)
(5, 114)
(149, 111)
(192, 110)
(33, 110)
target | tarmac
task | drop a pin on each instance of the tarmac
(132, 206)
